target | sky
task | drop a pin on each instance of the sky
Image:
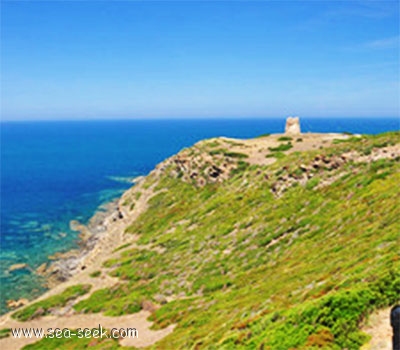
(189, 59)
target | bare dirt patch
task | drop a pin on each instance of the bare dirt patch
(378, 327)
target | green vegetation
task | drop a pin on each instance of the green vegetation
(95, 274)
(5, 332)
(281, 148)
(263, 135)
(236, 155)
(138, 195)
(233, 143)
(121, 247)
(277, 155)
(312, 183)
(226, 153)
(285, 138)
(44, 307)
(246, 269)
(213, 144)
(126, 202)
(132, 200)
(241, 166)
(350, 139)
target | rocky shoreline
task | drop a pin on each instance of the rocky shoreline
(98, 237)
(65, 265)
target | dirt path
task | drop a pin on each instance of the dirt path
(257, 149)
(378, 327)
(138, 321)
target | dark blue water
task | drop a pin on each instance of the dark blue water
(54, 172)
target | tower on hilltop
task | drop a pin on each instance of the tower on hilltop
(292, 126)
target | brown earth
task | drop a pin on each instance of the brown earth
(378, 327)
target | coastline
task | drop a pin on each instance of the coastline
(96, 238)
(104, 232)
(105, 237)
(99, 234)
(68, 264)
(71, 254)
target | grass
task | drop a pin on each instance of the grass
(350, 139)
(281, 148)
(236, 155)
(312, 183)
(138, 195)
(241, 166)
(285, 138)
(44, 307)
(213, 144)
(95, 274)
(5, 332)
(246, 270)
(277, 155)
(226, 153)
(121, 247)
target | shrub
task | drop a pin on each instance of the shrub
(95, 274)
(236, 155)
(241, 167)
(5, 332)
(285, 138)
(281, 148)
(277, 155)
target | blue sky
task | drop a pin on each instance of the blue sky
(109, 59)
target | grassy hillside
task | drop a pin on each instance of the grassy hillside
(293, 254)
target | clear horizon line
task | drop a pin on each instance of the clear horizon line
(166, 118)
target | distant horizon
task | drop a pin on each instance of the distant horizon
(233, 118)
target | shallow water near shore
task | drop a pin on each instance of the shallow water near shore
(55, 172)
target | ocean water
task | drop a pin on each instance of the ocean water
(55, 172)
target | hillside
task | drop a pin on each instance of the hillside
(270, 243)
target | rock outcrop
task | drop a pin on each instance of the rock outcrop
(13, 304)
(199, 165)
(17, 267)
(292, 126)
(305, 172)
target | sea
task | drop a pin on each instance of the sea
(56, 171)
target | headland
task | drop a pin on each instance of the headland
(126, 245)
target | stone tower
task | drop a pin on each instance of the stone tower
(292, 126)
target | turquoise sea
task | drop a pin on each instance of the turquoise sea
(55, 172)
